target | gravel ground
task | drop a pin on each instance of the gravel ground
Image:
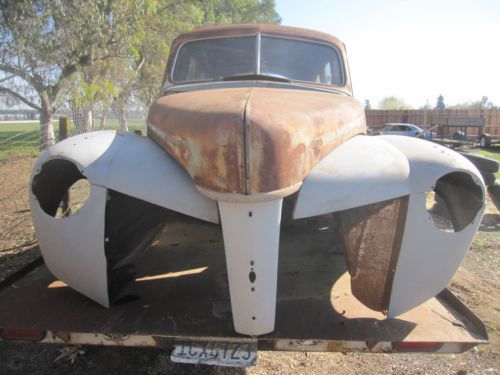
(476, 283)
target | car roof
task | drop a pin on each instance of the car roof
(213, 31)
(401, 123)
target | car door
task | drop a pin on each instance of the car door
(405, 130)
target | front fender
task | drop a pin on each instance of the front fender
(396, 254)
(132, 182)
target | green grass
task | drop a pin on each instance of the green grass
(24, 138)
(491, 153)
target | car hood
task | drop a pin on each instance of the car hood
(252, 140)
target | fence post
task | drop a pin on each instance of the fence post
(64, 129)
(64, 132)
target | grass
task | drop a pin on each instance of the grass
(492, 153)
(24, 138)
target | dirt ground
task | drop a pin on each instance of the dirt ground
(476, 283)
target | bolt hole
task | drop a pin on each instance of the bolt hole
(252, 276)
(253, 317)
(250, 213)
(252, 263)
(253, 289)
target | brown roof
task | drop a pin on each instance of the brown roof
(246, 29)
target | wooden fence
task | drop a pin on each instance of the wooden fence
(376, 119)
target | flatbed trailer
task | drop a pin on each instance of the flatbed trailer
(181, 299)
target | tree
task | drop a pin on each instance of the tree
(238, 11)
(367, 104)
(45, 42)
(426, 105)
(393, 102)
(483, 103)
(440, 102)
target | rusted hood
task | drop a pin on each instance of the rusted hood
(252, 140)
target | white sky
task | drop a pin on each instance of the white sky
(415, 50)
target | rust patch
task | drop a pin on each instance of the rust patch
(252, 140)
(372, 236)
(290, 131)
(203, 132)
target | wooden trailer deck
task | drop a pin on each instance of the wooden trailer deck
(181, 293)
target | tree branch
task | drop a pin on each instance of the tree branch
(22, 74)
(6, 78)
(20, 97)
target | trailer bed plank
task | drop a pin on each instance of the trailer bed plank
(182, 291)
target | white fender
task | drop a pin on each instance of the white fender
(429, 257)
(82, 265)
(366, 170)
(136, 166)
(430, 161)
(73, 247)
(361, 171)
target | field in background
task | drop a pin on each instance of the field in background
(24, 137)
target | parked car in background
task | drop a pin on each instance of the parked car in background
(408, 130)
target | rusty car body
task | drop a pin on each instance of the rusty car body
(256, 127)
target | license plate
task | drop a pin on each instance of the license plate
(234, 354)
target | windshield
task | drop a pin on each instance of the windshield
(215, 58)
(297, 60)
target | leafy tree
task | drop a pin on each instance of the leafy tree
(483, 103)
(440, 102)
(393, 102)
(238, 11)
(45, 42)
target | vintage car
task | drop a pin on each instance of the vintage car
(256, 128)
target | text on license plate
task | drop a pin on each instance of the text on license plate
(215, 353)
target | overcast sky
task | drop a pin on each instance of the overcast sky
(412, 49)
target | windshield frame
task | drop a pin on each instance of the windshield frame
(258, 36)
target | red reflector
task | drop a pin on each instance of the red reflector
(420, 346)
(22, 334)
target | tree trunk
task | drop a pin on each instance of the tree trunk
(119, 107)
(104, 117)
(46, 128)
(122, 121)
